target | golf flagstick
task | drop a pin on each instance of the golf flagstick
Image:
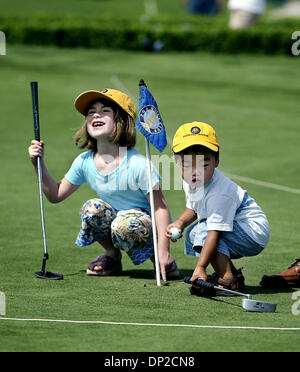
(43, 274)
(150, 124)
(152, 206)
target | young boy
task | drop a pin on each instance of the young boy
(229, 225)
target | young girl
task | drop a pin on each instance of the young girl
(120, 218)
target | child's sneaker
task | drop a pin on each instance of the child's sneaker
(285, 279)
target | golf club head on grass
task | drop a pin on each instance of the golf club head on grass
(247, 303)
(48, 275)
(258, 306)
(43, 274)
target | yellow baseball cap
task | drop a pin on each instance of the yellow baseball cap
(121, 99)
(195, 133)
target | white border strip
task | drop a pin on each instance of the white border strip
(148, 324)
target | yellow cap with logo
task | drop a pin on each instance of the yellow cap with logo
(121, 99)
(195, 133)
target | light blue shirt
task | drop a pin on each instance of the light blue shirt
(124, 188)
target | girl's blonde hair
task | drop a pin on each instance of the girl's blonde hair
(124, 133)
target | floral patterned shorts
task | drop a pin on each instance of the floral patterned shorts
(129, 230)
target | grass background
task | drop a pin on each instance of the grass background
(253, 102)
(132, 8)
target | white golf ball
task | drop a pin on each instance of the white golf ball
(175, 233)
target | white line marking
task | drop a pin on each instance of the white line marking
(262, 183)
(148, 324)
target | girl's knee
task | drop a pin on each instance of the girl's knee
(132, 226)
(97, 214)
(95, 206)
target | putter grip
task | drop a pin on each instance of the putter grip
(199, 283)
(35, 109)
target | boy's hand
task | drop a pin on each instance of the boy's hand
(178, 226)
(199, 273)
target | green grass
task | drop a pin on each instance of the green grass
(134, 8)
(253, 102)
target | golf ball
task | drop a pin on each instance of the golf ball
(175, 233)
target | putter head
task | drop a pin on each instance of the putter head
(48, 275)
(258, 306)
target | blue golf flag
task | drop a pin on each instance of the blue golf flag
(149, 121)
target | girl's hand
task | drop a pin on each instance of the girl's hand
(36, 150)
(165, 260)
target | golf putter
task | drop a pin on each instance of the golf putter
(43, 274)
(247, 303)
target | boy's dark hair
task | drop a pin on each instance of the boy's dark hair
(197, 149)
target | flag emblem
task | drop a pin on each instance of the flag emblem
(150, 119)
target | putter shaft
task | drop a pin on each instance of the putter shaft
(233, 292)
(201, 283)
(39, 167)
